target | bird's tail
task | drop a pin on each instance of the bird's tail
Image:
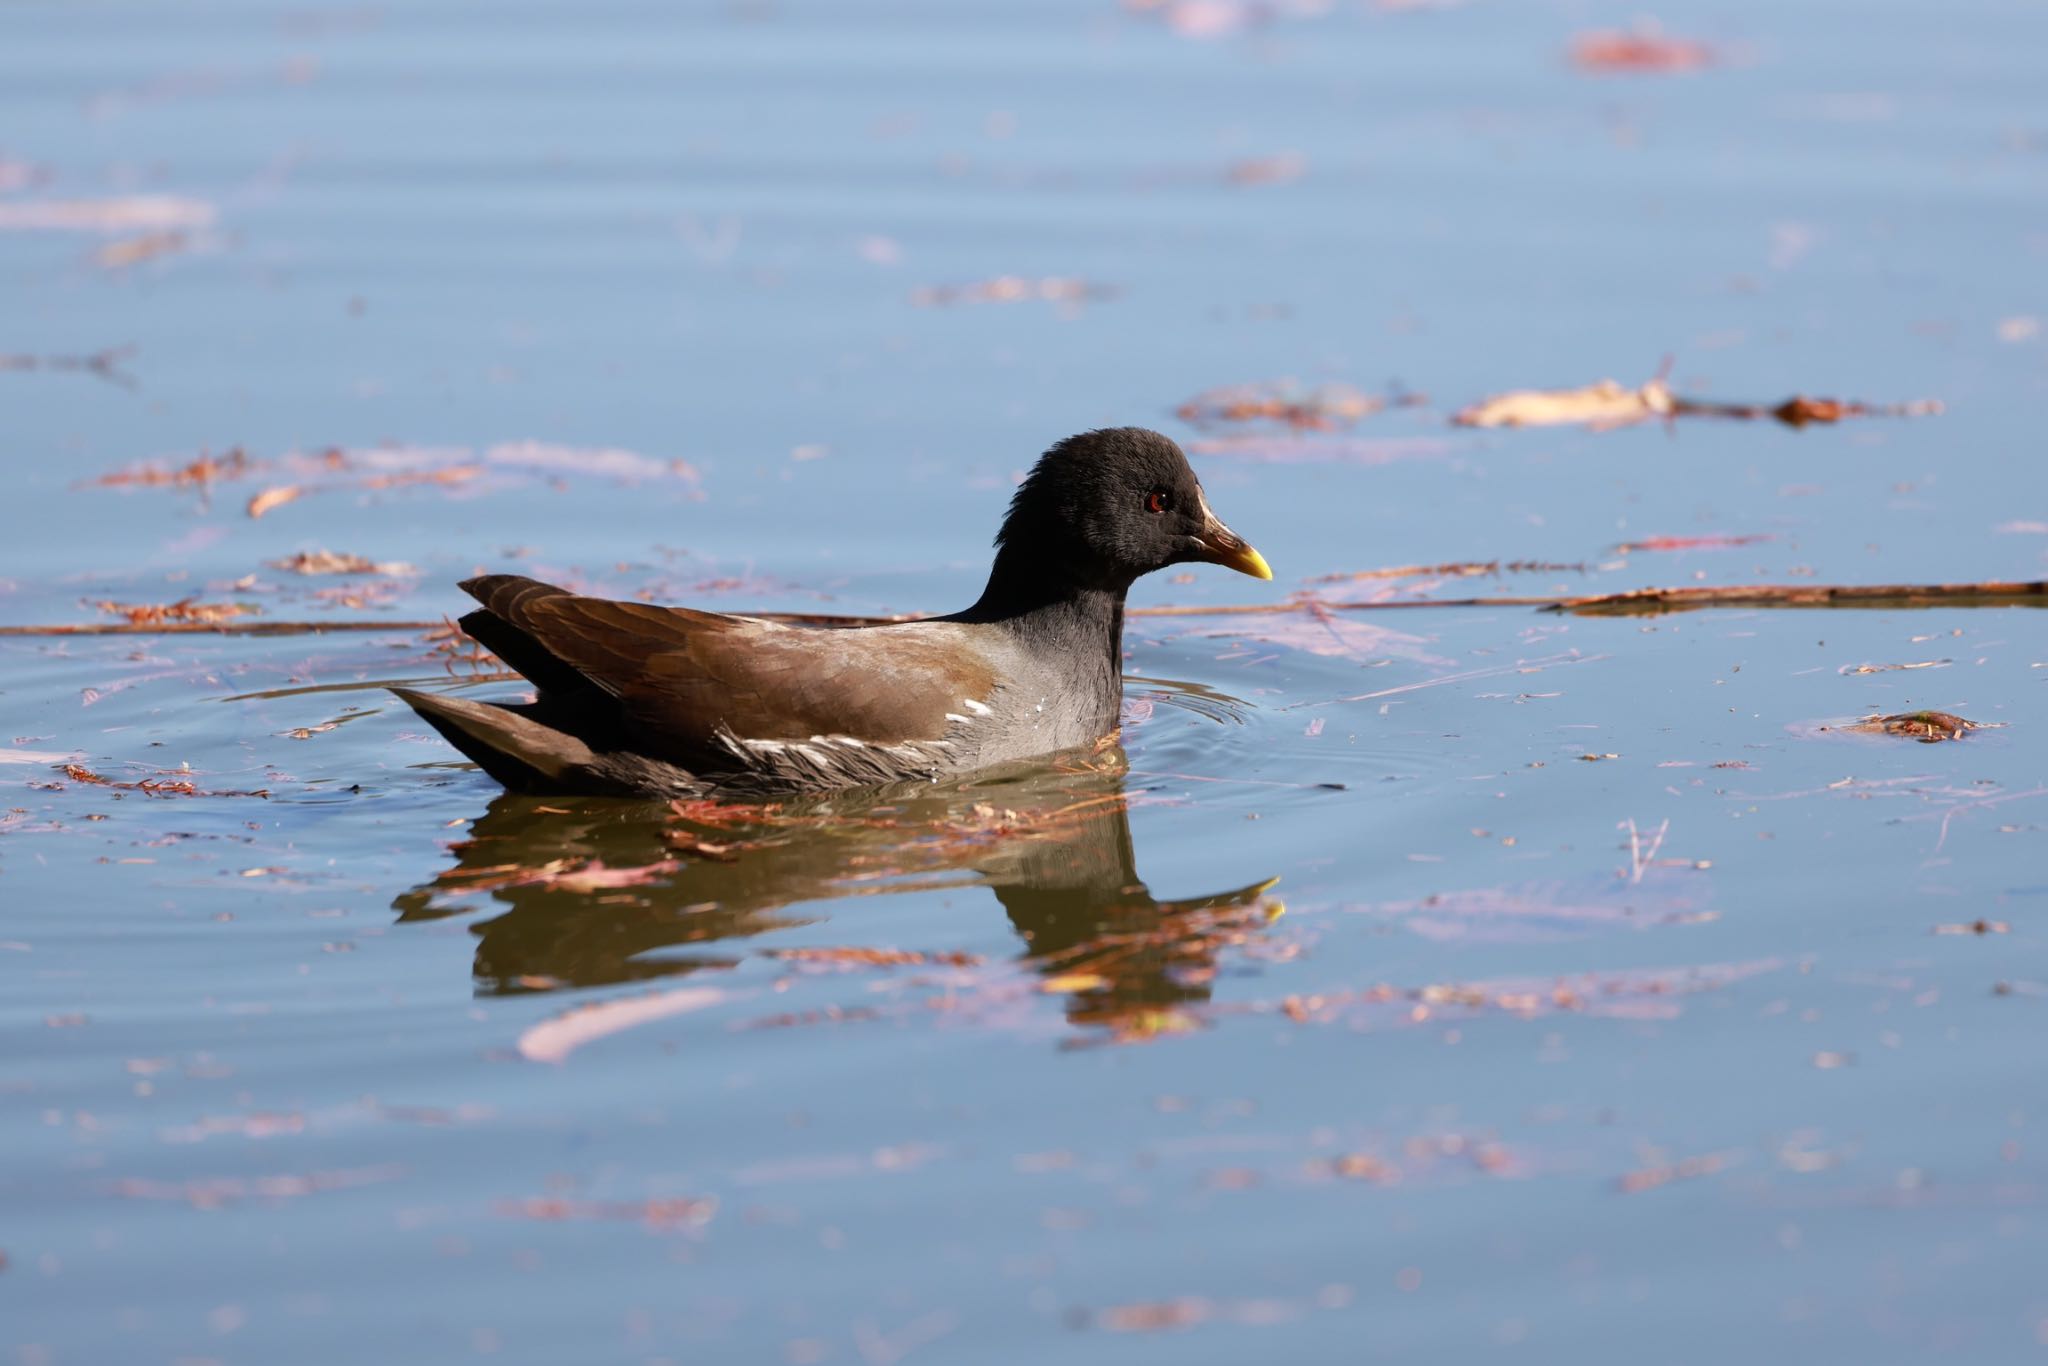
(518, 751)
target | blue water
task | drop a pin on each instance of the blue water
(1474, 1077)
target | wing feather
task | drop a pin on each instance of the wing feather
(688, 682)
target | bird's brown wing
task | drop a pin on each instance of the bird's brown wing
(689, 682)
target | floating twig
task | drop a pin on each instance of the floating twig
(1637, 602)
(1654, 601)
(105, 363)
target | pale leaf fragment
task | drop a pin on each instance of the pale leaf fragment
(1606, 404)
(274, 497)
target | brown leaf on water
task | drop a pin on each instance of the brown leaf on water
(1849, 670)
(875, 958)
(328, 562)
(184, 610)
(199, 472)
(1799, 410)
(553, 1040)
(1928, 727)
(1643, 49)
(276, 496)
(1975, 927)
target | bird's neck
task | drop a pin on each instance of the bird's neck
(1058, 615)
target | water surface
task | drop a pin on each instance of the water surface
(1436, 984)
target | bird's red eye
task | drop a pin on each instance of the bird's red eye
(1158, 500)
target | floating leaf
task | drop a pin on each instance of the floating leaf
(202, 470)
(1602, 405)
(274, 497)
(328, 562)
(1928, 727)
(186, 610)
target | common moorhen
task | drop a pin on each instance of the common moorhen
(670, 701)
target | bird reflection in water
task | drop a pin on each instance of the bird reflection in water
(600, 891)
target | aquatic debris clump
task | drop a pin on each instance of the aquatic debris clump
(185, 611)
(329, 562)
(1603, 405)
(1299, 407)
(1928, 727)
(1607, 405)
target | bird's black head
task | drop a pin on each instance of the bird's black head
(1109, 505)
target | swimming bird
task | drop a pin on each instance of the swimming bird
(636, 699)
